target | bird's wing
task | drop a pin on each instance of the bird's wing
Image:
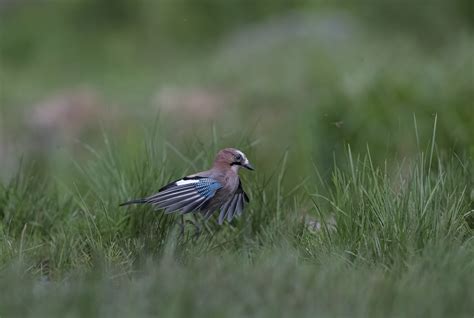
(185, 195)
(234, 206)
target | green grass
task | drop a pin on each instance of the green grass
(295, 84)
(401, 246)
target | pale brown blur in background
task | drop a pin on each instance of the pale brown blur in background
(304, 76)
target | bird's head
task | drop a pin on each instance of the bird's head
(234, 158)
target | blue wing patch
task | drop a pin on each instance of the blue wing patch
(207, 187)
(185, 195)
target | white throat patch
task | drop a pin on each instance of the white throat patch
(235, 168)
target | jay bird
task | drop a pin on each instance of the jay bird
(205, 192)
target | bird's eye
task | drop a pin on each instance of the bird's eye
(238, 157)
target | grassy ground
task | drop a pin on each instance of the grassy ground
(389, 244)
(357, 118)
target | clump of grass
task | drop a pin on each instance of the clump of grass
(384, 216)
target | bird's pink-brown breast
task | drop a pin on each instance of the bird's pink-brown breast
(230, 182)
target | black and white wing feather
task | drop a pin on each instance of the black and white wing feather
(185, 195)
(234, 206)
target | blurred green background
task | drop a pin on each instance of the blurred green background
(102, 101)
(304, 76)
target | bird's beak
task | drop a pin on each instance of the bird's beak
(248, 165)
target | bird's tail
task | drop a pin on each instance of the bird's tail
(136, 201)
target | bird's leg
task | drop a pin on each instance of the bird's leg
(207, 216)
(181, 226)
(197, 225)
